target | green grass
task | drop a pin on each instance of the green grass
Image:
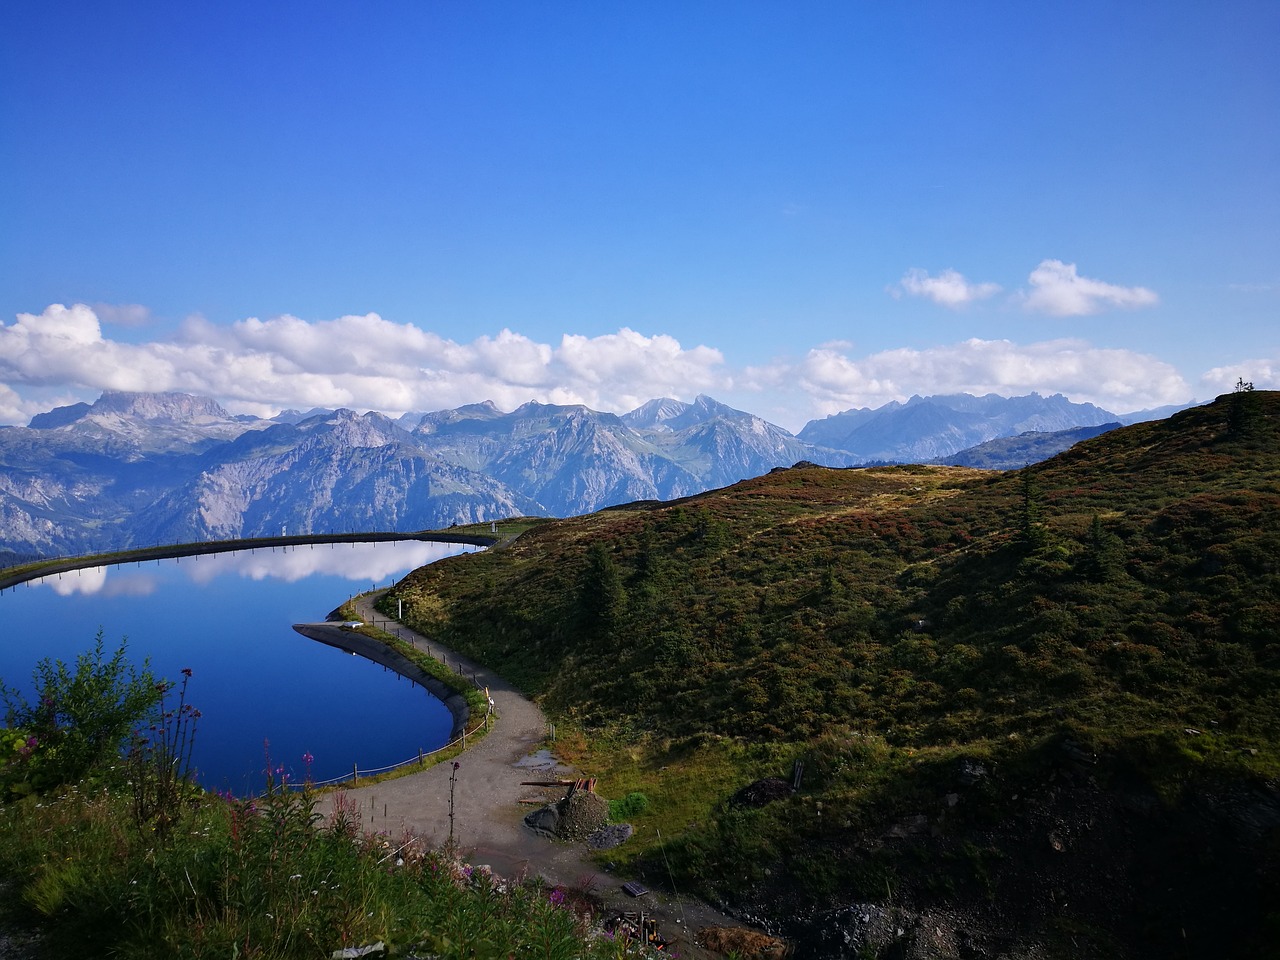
(262, 879)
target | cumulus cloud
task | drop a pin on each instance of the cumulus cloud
(949, 288)
(369, 363)
(1057, 289)
(1263, 374)
(364, 362)
(1117, 380)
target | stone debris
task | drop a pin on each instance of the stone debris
(354, 953)
(761, 792)
(970, 772)
(581, 815)
(575, 817)
(610, 836)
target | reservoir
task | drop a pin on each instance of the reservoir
(265, 693)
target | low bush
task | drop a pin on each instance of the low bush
(631, 805)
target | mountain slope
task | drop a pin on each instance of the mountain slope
(568, 458)
(930, 428)
(1011, 453)
(720, 445)
(147, 422)
(338, 473)
(1016, 697)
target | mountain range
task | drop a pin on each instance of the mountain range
(145, 468)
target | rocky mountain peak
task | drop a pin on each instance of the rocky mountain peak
(159, 406)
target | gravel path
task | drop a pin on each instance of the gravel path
(488, 822)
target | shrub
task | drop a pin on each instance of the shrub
(79, 718)
(631, 805)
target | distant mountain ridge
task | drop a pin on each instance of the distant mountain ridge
(138, 468)
(927, 428)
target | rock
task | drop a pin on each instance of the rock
(544, 820)
(970, 772)
(762, 792)
(610, 836)
(1077, 754)
(353, 953)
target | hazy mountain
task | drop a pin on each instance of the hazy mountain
(297, 416)
(928, 428)
(1157, 413)
(147, 422)
(1012, 453)
(569, 458)
(721, 445)
(340, 472)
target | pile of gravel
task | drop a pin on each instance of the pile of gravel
(581, 815)
(572, 818)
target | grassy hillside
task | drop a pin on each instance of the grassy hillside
(966, 650)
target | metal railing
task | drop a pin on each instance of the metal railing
(421, 759)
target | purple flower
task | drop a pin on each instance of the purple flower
(557, 897)
(308, 759)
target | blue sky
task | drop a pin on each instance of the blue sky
(796, 208)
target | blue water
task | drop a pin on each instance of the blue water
(228, 617)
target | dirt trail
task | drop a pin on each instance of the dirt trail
(488, 824)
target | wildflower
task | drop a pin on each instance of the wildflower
(557, 897)
(186, 672)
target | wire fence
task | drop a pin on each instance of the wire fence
(422, 759)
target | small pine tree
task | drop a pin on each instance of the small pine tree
(602, 599)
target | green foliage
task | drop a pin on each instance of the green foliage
(632, 805)
(602, 599)
(159, 765)
(264, 878)
(80, 717)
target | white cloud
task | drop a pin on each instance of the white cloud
(1263, 374)
(1057, 289)
(363, 362)
(369, 363)
(949, 288)
(1117, 380)
(12, 407)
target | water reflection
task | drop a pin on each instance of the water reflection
(371, 563)
(229, 618)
